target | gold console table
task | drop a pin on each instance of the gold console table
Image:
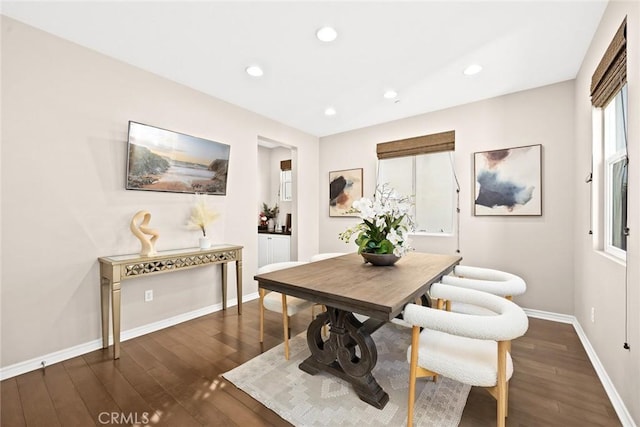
(115, 269)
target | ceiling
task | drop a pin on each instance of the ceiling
(419, 49)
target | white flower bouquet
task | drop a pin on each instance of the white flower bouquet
(386, 223)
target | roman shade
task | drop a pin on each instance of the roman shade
(434, 143)
(611, 73)
(285, 165)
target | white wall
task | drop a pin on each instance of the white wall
(537, 248)
(599, 280)
(64, 131)
(264, 178)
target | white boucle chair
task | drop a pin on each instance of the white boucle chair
(472, 349)
(281, 303)
(326, 255)
(495, 282)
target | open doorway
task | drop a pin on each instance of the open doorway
(277, 236)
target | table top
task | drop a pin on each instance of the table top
(347, 283)
(115, 259)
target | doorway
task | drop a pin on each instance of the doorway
(277, 186)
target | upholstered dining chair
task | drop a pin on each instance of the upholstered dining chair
(495, 282)
(281, 303)
(472, 349)
(325, 255)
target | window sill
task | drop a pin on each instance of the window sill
(427, 234)
(617, 260)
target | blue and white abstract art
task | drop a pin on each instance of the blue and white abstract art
(508, 182)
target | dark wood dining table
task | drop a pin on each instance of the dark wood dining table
(347, 285)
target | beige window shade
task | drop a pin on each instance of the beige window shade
(434, 143)
(285, 165)
(611, 73)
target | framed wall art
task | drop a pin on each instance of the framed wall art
(508, 182)
(345, 187)
(163, 160)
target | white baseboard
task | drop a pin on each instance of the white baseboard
(80, 349)
(612, 393)
(614, 397)
(547, 315)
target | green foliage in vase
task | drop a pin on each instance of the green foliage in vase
(269, 212)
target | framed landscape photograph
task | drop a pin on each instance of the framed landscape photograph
(163, 160)
(508, 182)
(345, 187)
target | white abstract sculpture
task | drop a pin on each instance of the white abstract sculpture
(140, 228)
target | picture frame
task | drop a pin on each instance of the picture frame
(163, 160)
(345, 186)
(508, 182)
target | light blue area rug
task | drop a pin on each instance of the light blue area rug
(324, 400)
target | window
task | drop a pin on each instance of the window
(615, 174)
(429, 179)
(422, 167)
(285, 181)
(609, 99)
(285, 186)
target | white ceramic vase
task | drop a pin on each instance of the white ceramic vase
(204, 243)
(271, 224)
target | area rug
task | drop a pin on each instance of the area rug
(325, 400)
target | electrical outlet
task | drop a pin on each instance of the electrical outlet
(593, 314)
(148, 295)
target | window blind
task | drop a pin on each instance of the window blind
(434, 143)
(285, 165)
(611, 73)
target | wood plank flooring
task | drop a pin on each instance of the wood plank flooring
(172, 378)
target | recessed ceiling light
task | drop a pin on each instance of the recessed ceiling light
(330, 111)
(254, 71)
(390, 94)
(326, 34)
(472, 69)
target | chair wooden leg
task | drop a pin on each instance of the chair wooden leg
(502, 383)
(415, 339)
(448, 305)
(262, 293)
(285, 324)
(506, 399)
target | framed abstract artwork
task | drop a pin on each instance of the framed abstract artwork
(508, 182)
(344, 188)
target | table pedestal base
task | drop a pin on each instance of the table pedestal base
(338, 354)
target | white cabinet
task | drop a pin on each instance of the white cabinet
(273, 248)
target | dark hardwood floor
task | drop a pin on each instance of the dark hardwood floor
(172, 378)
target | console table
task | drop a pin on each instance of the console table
(115, 269)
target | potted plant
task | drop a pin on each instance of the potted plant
(383, 234)
(270, 214)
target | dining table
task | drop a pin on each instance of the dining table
(347, 285)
